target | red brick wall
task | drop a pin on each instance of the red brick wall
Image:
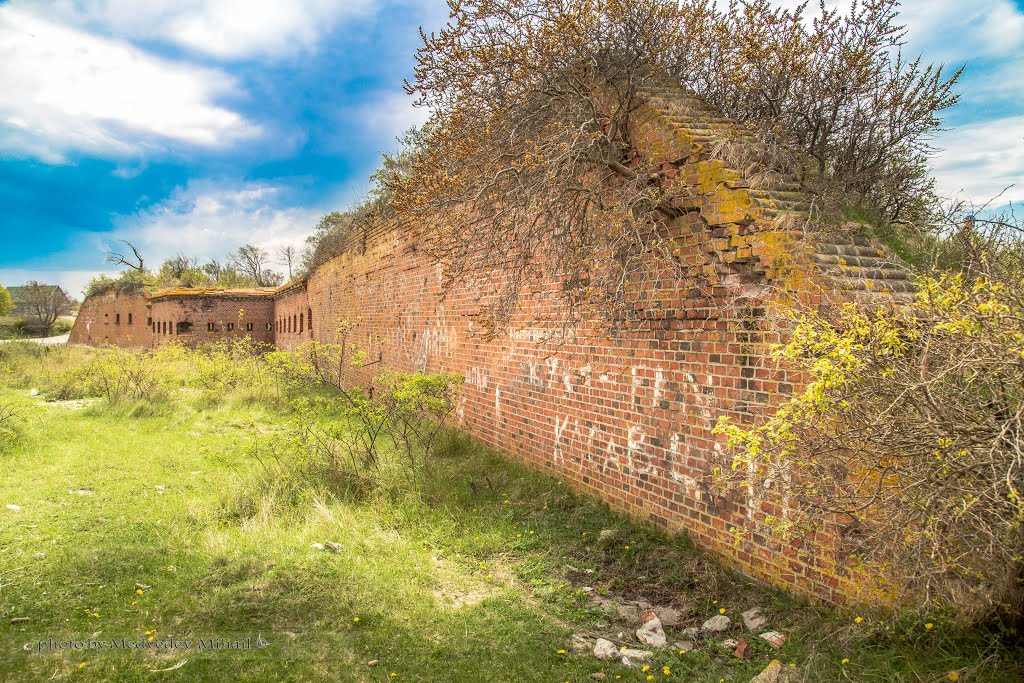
(627, 419)
(229, 316)
(112, 318)
(292, 316)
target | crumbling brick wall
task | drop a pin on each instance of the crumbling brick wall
(193, 320)
(114, 319)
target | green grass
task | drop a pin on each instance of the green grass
(459, 574)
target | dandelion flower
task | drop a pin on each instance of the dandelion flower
(646, 668)
(627, 547)
(682, 652)
(561, 652)
(519, 535)
(355, 619)
(135, 602)
(82, 665)
(151, 638)
(138, 591)
(954, 676)
(650, 678)
(845, 661)
(858, 620)
(665, 670)
(721, 610)
(714, 602)
(929, 626)
(531, 532)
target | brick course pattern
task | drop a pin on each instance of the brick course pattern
(112, 318)
(626, 417)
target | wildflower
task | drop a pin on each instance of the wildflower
(682, 652)
(929, 626)
(721, 610)
(650, 678)
(858, 620)
(714, 602)
(792, 663)
(845, 661)
(954, 676)
(138, 591)
(531, 532)
(355, 619)
(151, 638)
(393, 674)
(646, 668)
(584, 533)
(519, 535)
(82, 665)
(561, 652)
(665, 670)
(627, 547)
(135, 602)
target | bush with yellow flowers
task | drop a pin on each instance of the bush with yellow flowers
(908, 440)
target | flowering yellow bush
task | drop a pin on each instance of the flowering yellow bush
(908, 440)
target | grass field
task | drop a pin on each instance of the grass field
(153, 523)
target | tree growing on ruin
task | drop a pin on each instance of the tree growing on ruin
(134, 260)
(527, 167)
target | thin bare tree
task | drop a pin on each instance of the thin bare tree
(134, 261)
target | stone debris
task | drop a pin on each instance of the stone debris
(717, 624)
(770, 673)
(754, 619)
(651, 631)
(629, 612)
(12, 507)
(316, 546)
(669, 615)
(685, 645)
(607, 533)
(605, 649)
(373, 662)
(692, 633)
(142, 587)
(39, 556)
(580, 643)
(631, 657)
(775, 638)
(742, 649)
(80, 492)
(597, 676)
(333, 547)
(33, 392)
(729, 644)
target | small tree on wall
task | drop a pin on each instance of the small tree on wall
(529, 166)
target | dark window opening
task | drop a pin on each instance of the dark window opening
(270, 327)
(149, 322)
(248, 327)
(231, 327)
(184, 328)
(209, 327)
(300, 324)
(117, 318)
(129, 318)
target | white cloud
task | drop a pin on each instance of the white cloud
(955, 31)
(208, 220)
(223, 28)
(62, 90)
(980, 160)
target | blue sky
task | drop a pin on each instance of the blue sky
(200, 125)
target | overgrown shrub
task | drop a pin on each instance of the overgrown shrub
(909, 439)
(10, 415)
